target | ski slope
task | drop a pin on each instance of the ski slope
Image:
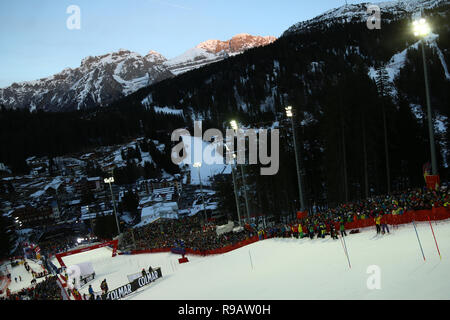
(20, 270)
(115, 270)
(294, 269)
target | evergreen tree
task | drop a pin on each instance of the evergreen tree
(105, 227)
(7, 236)
(384, 89)
(130, 202)
(138, 153)
(87, 197)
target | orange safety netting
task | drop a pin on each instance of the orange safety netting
(440, 213)
(434, 214)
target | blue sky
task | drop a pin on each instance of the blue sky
(36, 43)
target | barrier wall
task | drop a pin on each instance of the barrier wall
(4, 284)
(61, 255)
(198, 252)
(134, 285)
(224, 249)
(435, 214)
(64, 293)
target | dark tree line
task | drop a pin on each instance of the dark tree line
(24, 134)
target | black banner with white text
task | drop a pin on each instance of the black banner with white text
(131, 287)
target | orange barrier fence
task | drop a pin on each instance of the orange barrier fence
(435, 214)
(198, 252)
(61, 255)
(224, 249)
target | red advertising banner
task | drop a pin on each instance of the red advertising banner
(436, 214)
(433, 182)
(113, 243)
(302, 214)
(440, 213)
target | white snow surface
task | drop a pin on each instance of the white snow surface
(26, 276)
(192, 59)
(294, 269)
(206, 153)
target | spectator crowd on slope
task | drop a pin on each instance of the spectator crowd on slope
(190, 230)
(51, 247)
(45, 290)
(330, 221)
(196, 235)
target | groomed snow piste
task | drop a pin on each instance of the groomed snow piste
(20, 270)
(294, 269)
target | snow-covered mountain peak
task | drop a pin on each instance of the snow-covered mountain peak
(104, 78)
(359, 13)
(209, 45)
(237, 44)
(239, 35)
(155, 57)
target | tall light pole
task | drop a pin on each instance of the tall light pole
(198, 165)
(109, 181)
(234, 126)
(233, 166)
(290, 114)
(421, 30)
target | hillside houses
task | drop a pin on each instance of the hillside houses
(71, 191)
(162, 210)
(158, 196)
(147, 187)
(30, 216)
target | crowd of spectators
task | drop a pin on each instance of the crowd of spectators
(395, 203)
(321, 221)
(190, 230)
(45, 290)
(194, 234)
(51, 247)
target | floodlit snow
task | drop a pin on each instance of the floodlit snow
(434, 45)
(441, 129)
(394, 66)
(294, 269)
(212, 162)
(26, 276)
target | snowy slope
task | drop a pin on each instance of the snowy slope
(26, 276)
(115, 270)
(212, 162)
(212, 51)
(318, 269)
(397, 62)
(192, 59)
(390, 10)
(294, 269)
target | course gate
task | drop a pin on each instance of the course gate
(114, 243)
